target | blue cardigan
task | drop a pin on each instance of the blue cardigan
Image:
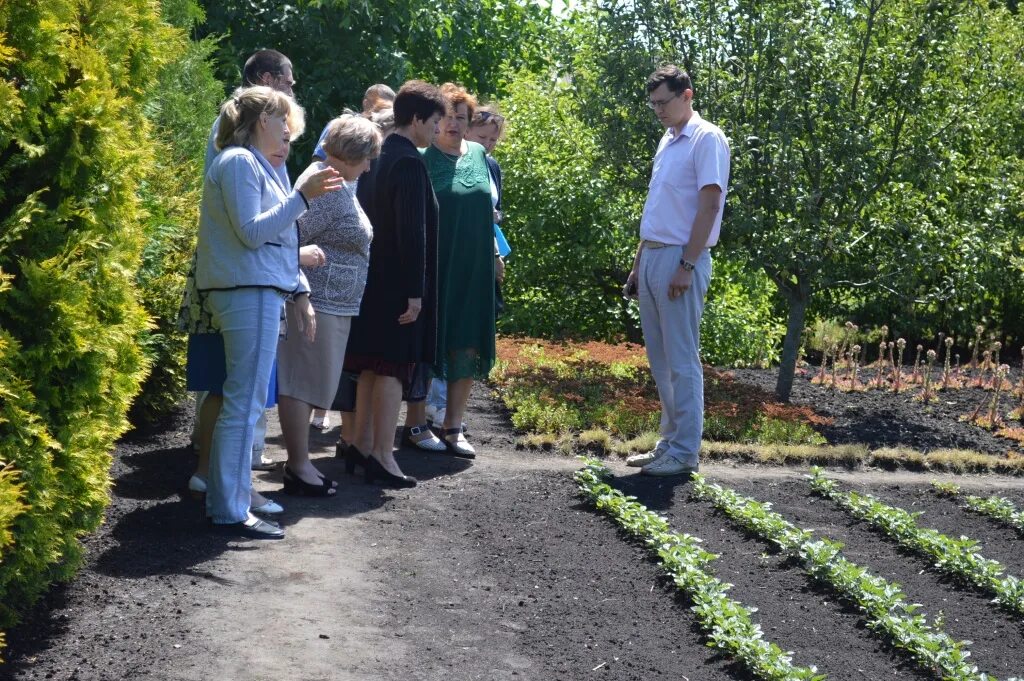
(247, 231)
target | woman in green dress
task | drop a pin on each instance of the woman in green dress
(465, 267)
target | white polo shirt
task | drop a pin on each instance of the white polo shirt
(683, 164)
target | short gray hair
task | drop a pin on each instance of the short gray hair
(352, 139)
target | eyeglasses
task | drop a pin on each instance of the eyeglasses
(662, 103)
(486, 116)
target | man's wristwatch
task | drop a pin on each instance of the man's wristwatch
(686, 265)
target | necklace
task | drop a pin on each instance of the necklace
(454, 158)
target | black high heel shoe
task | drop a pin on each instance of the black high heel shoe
(353, 457)
(375, 471)
(295, 485)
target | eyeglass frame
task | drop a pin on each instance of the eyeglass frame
(661, 104)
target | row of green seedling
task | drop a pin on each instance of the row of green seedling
(727, 623)
(959, 558)
(999, 509)
(885, 610)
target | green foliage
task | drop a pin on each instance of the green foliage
(572, 230)
(740, 326)
(181, 105)
(881, 602)
(74, 150)
(572, 222)
(957, 557)
(339, 47)
(859, 185)
(728, 624)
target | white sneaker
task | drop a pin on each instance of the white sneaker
(669, 465)
(322, 422)
(638, 460)
(262, 462)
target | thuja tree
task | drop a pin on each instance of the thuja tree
(841, 116)
(74, 147)
(180, 104)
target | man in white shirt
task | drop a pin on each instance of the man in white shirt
(681, 221)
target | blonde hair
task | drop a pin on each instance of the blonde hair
(456, 94)
(352, 138)
(488, 115)
(242, 110)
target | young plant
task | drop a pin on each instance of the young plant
(997, 508)
(926, 394)
(881, 602)
(958, 558)
(727, 623)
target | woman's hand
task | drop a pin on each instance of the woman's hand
(411, 312)
(312, 256)
(319, 183)
(305, 318)
(499, 268)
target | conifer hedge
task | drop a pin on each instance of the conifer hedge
(74, 150)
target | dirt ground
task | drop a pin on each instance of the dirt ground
(493, 569)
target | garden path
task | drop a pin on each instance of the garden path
(490, 570)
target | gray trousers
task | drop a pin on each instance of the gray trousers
(672, 337)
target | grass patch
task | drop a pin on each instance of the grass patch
(599, 399)
(575, 387)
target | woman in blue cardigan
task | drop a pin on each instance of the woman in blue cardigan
(247, 264)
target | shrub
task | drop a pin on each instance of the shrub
(181, 106)
(74, 149)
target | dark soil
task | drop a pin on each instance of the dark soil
(489, 570)
(879, 418)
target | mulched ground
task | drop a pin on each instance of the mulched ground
(880, 418)
(498, 571)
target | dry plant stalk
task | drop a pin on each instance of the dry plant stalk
(897, 367)
(914, 377)
(945, 368)
(978, 330)
(926, 394)
(993, 415)
(854, 365)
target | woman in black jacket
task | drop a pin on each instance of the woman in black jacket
(396, 327)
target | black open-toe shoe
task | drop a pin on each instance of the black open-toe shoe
(376, 472)
(295, 485)
(458, 445)
(353, 457)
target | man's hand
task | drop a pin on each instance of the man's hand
(630, 290)
(680, 283)
(305, 318)
(411, 312)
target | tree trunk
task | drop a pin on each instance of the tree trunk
(797, 297)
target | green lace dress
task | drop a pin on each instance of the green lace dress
(465, 263)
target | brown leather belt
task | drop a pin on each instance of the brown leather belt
(655, 244)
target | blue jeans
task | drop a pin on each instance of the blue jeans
(672, 339)
(250, 321)
(438, 395)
